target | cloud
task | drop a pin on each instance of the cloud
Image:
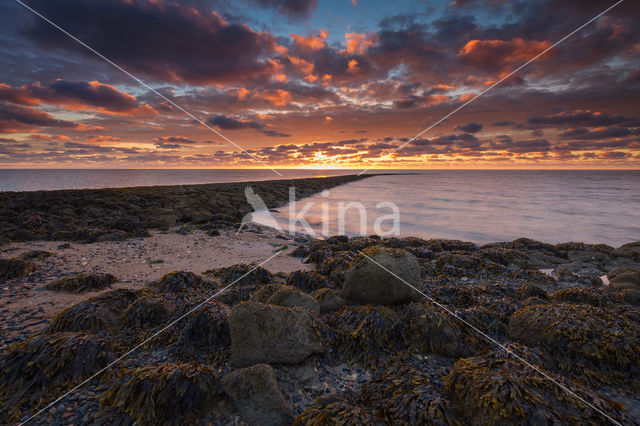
(582, 118)
(163, 40)
(470, 127)
(290, 8)
(15, 118)
(76, 95)
(496, 55)
(228, 123)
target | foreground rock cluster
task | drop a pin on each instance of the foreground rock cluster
(382, 332)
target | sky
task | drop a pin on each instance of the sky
(319, 84)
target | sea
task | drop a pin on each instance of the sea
(591, 206)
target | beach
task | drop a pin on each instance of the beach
(359, 329)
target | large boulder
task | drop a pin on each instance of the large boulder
(624, 278)
(262, 333)
(292, 297)
(382, 276)
(255, 393)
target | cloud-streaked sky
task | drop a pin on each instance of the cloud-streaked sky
(312, 83)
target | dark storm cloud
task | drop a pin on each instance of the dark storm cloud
(92, 94)
(167, 41)
(228, 123)
(17, 117)
(470, 127)
(582, 119)
(290, 8)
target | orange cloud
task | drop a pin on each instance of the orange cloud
(312, 43)
(501, 52)
(303, 66)
(358, 43)
(352, 67)
(276, 97)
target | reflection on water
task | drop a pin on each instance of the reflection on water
(487, 206)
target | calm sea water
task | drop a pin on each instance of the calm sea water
(488, 206)
(479, 206)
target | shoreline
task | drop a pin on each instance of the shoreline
(116, 214)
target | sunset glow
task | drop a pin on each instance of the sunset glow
(328, 93)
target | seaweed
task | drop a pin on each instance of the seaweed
(43, 366)
(495, 391)
(429, 330)
(82, 283)
(336, 410)
(236, 274)
(598, 346)
(403, 395)
(15, 268)
(177, 281)
(308, 281)
(94, 315)
(583, 296)
(367, 334)
(164, 393)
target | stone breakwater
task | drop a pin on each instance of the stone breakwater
(345, 344)
(116, 214)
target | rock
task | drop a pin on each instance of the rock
(255, 393)
(623, 278)
(262, 333)
(201, 217)
(262, 294)
(82, 283)
(631, 296)
(291, 297)
(164, 221)
(329, 300)
(367, 282)
(241, 274)
(15, 268)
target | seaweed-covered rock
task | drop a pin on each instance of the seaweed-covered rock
(82, 283)
(586, 296)
(255, 393)
(529, 290)
(308, 281)
(329, 300)
(262, 333)
(153, 309)
(489, 391)
(429, 329)
(453, 295)
(42, 367)
(629, 295)
(336, 410)
(369, 335)
(242, 274)
(405, 396)
(291, 297)
(202, 335)
(169, 393)
(15, 268)
(94, 315)
(263, 293)
(177, 281)
(369, 282)
(35, 254)
(623, 278)
(596, 345)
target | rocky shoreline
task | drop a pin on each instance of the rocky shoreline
(116, 214)
(336, 336)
